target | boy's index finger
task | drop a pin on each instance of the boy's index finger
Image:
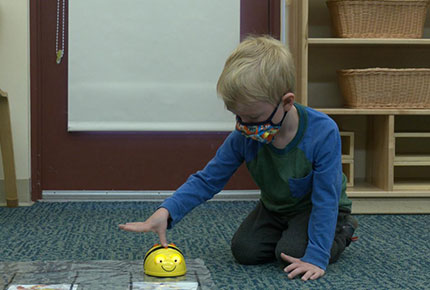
(135, 227)
(163, 239)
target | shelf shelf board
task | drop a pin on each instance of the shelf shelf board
(362, 189)
(401, 189)
(422, 186)
(368, 41)
(412, 160)
(348, 111)
(412, 135)
(347, 159)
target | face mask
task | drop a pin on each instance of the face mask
(262, 131)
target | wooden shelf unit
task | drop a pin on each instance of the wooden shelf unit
(347, 111)
(347, 139)
(348, 170)
(412, 157)
(367, 41)
(379, 171)
(412, 160)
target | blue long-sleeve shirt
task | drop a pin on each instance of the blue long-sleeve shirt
(307, 174)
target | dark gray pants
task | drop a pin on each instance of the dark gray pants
(264, 235)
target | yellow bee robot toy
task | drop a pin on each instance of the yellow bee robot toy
(164, 262)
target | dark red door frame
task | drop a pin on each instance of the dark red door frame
(114, 161)
(260, 17)
(35, 101)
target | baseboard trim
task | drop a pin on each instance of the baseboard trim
(368, 205)
(27, 203)
(391, 205)
(23, 188)
(103, 195)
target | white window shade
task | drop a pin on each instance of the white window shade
(149, 65)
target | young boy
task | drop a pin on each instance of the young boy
(294, 155)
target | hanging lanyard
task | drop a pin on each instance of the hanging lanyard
(60, 52)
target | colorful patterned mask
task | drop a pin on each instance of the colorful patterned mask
(262, 131)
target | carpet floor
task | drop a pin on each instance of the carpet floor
(392, 252)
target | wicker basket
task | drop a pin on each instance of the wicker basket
(385, 88)
(378, 18)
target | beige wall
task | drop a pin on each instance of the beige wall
(15, 79)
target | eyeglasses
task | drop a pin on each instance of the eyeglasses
(268, 120)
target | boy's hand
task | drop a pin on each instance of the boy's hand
(298, 267)
(156, 223)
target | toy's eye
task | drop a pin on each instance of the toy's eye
(176, 259)
(159, 259)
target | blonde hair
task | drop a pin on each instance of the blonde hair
(259, 69)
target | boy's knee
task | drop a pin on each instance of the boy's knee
(293, 250)
(244, 252)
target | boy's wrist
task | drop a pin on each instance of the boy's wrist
(164, 211)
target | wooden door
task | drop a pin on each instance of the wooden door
(62, 160)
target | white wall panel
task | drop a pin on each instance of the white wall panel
(149, 65)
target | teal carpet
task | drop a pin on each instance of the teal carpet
(393, 251)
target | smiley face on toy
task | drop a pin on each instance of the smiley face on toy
(164, 262)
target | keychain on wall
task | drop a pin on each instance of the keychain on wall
(60, 52)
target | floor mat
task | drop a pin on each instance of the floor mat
(103, 274)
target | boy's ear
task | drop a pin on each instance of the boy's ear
(288, 101)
